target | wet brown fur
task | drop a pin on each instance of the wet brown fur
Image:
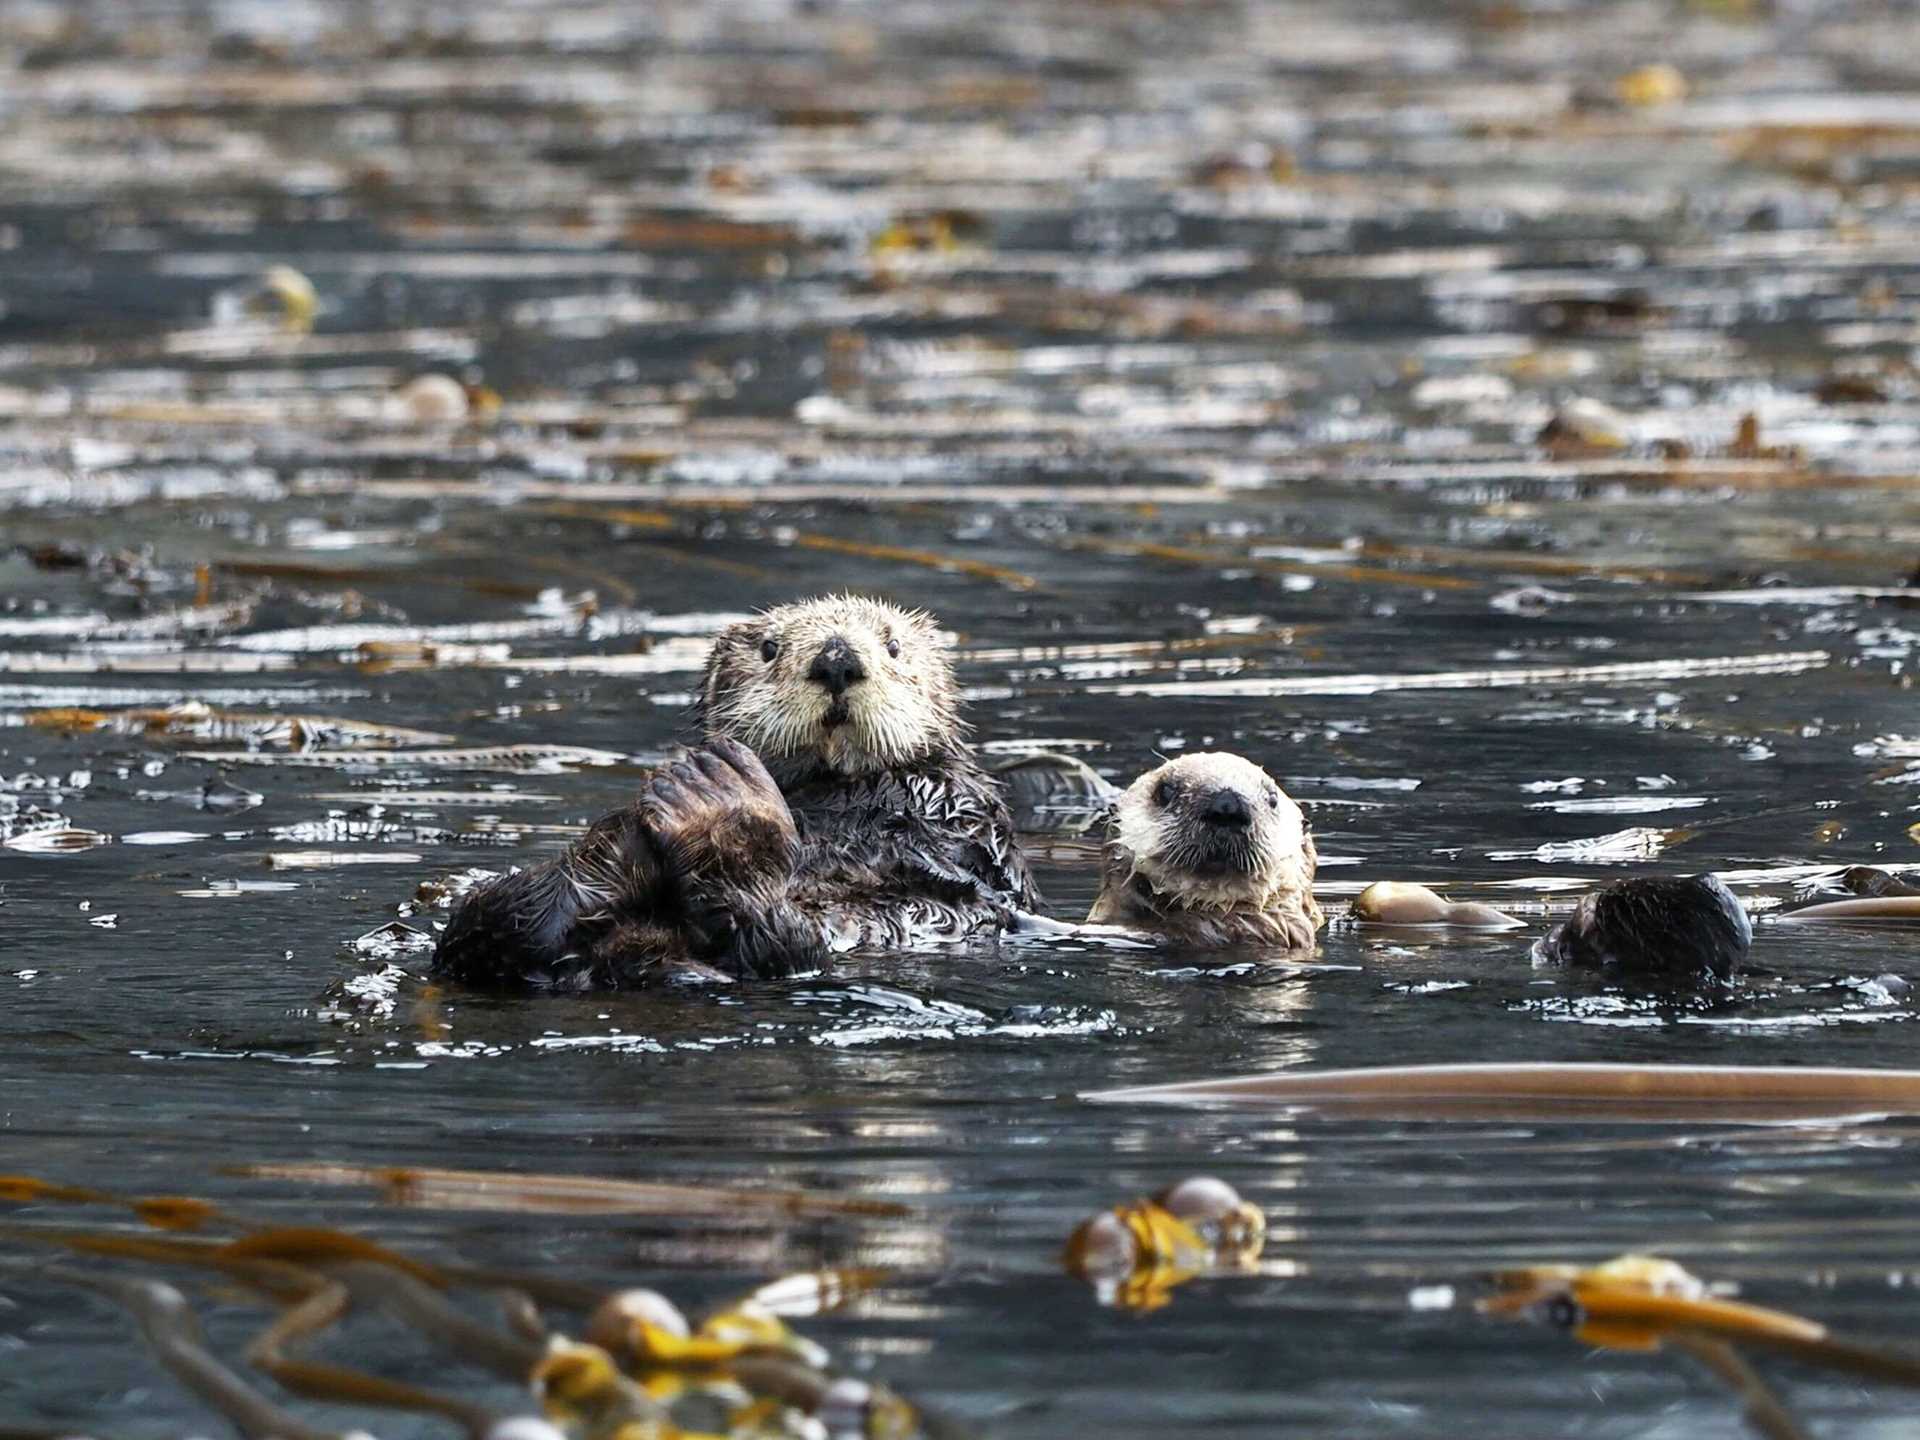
(858, 817)
(1170, 870)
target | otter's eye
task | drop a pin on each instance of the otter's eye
(893, 649)
(1163, 794)
(1273, 797)
(769, 648)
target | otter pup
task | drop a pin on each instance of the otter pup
(1208, 850)
(1690, 930)
(835, 803)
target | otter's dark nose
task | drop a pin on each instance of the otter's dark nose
(836, 667)
(1228, 807)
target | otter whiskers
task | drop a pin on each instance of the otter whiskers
(833, 719)
(1208, 849)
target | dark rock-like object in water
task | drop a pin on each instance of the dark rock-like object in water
(1866, 881)
(1673, 929)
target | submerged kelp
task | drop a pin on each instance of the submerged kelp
(640, 1370)
(1498, 422)
(1642, 1302)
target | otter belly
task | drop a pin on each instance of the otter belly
(714, 872)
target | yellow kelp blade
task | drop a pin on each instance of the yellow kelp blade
(1644, 1303)
(744, 1329)
(274, 1278)
(307, 1245)
(1629, 1320)
(655, 1346)
(1636, 1301)
(1640, 1302)
(1135, 1256)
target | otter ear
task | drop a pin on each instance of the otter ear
(928, 631)
(727, 646)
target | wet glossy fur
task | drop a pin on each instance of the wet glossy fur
(1680, 929)
(859, 818)
(1167, 868)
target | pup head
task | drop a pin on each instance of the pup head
(1213, 831)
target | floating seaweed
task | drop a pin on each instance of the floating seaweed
(337, 859)
(53, 839)
(141, 662)
(528, 759)
(196, 720)
(1644, 1303)
(221, 796)
(1136, 1255)
(454, 799)
(1873, 907)
(439, 1189)
(1719, 1094)
(1630, 672)
(161, 625)
(640, 1363)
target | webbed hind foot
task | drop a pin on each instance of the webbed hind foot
(530, 927)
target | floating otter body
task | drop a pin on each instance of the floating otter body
(834, 805)
(1665, 930)
(1670, 929)
(1208, 850)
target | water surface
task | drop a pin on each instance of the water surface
(1187, 361)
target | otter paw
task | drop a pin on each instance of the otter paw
(718, 819)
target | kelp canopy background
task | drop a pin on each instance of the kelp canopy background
(1499, 421)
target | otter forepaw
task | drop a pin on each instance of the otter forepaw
(719, 820)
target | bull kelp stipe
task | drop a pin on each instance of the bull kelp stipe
(1719, 1093)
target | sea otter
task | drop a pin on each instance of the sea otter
(1653, 930)
(1665, 929)
(834, 804)
(1208, 850)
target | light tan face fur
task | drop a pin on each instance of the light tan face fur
(1196, 863)
(769, 684)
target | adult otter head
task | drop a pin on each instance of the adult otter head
(1208, 847)
(840, 684)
